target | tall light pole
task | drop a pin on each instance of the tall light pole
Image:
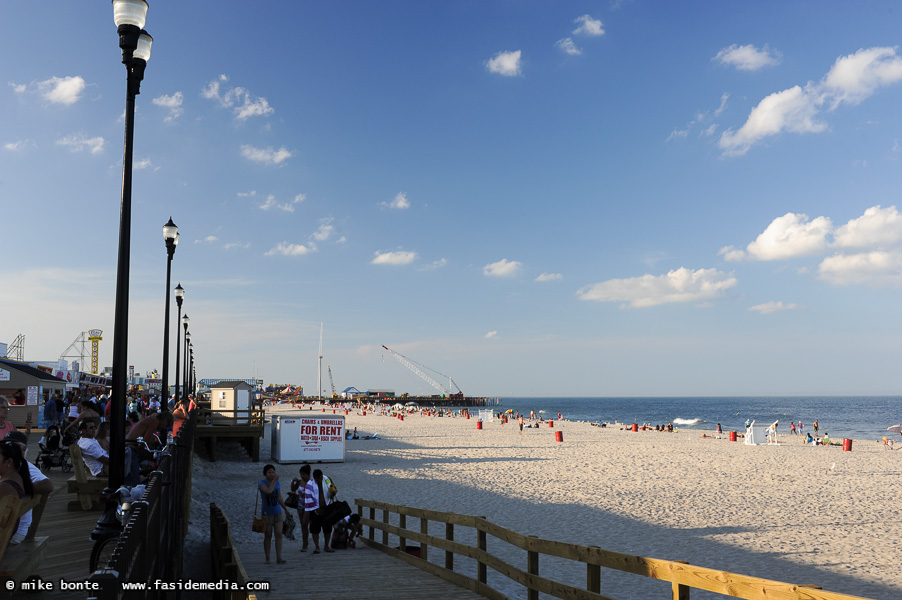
(129, 16)
(187, 349)
(179, 296)
(171, 237)
(178, 365)
(191, 370)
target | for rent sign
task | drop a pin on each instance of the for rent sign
(308, 438)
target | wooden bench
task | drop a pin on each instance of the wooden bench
(83, 483)
(18, 561)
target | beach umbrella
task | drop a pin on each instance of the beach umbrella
(412, 404)
(895, 428)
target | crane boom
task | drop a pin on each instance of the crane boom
(410, 365)
(332, 383)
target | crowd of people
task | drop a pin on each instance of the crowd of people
(318, 509)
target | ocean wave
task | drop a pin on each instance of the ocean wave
(679, 421)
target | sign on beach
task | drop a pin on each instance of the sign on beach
(308, 438)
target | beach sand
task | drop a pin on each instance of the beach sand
(792, 513)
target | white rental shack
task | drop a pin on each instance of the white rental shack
(299, 437)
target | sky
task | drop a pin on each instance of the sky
(535, 198)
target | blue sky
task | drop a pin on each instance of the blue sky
(535, 198)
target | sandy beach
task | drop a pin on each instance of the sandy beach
(793, 513)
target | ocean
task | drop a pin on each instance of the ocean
(854, 417)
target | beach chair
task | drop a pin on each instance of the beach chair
(755, 435)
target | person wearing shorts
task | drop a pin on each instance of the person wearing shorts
(273, 506)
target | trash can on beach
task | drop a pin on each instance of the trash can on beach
(732, 436)
(478, 424)
(847, 445)
(635, 427)
(550, 423)
(558, 436)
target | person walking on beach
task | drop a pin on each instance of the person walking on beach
(520, 422)
(792, 428)
(273, 504)
(815, 428)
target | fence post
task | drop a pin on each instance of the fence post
(402, 522)
(532, 567)
(482, 538)
(424, 529)
(449, 556)
(385, 531)
(372, 527)
(680, 591)
(593, 576)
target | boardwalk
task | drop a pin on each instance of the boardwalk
(360, 573)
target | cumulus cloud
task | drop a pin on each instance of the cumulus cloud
(875, 228)
(286, 249)
(851, 80)
(80, 142)
(394, 258)
(173, 103)
(400, 202)
(505, 63)
(588, 26)
(266, 155)
(61, 90)
(209, 240)
(437, 264)
(324, 231)
(789, 236)
(680, 285)
(502, 268)
(490, 335)
(568, 46)
(549, 277)
(20, 145)
(748, 57)
(285, 206)
(874, 269)
(243, 104)
(772, 307)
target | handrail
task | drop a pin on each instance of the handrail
(681, 575)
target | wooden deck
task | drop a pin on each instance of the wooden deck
(353, 573)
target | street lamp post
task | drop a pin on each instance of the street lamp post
(171, 236)
(129, 16)
(191, 370)
(178, 365)
(187, 350)
(179, 296)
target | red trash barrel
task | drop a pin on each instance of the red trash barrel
(401, 417)
(847, 445)
(478, 424)
(468, 416)
(732, 436)
(364, 413)
(333, 411)
(558, 436)
(324, 410)
(550, 423)
(635, 427)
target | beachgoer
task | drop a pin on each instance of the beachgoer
(315, 503)
(96, 458)
(271, 496)
(86, 412)
(299, 486)
(815, 427)
(719, 429)
(144, 429)
(42, 484)
(520, 421)
(50, 414)
(809, 439)
(792, 428)
(345, 531)
(14, 477)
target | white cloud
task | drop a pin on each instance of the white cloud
(851, 80)
(271, 202)
(876, 227)
(173, 103)
(680, 285)
(286, 249)
(873, 269)
(505, 63)
(703, 119)
(438, 264)
(568, 46)
(79, 142)
(243, 104)
(549, 277)
(231, 245)
(490, 335)
(62, 90)
(748, 57)
(209, 239)
(731, 253)
(266, 155)
(18, 88)
(144, 163)
(790, 236)
(772, 307)
(502, 268)
(20, 145)
(249, 194)
(324, 231)
(588, 26)
(394, 258)
(400, 202)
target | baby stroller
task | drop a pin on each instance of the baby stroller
(53, 452)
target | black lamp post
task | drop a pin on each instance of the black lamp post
(129, 16)
(179, 296)
(171, 237)
(191, 370)
(178, 366)
(187, 349)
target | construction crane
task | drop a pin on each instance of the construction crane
(332, 383)
(413, 367)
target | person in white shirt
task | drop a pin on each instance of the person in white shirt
(96, 458)
(42, 485)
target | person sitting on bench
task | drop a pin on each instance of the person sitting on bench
(96, 458)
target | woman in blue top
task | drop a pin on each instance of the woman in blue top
(271, 495)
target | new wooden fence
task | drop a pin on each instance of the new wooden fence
(682, 576)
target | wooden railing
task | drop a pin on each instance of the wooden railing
(254, 416)
(224, 560)
(682, 576)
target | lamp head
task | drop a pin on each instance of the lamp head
(130, 12)
(185, 320)
(171, 234)
(179, 294)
